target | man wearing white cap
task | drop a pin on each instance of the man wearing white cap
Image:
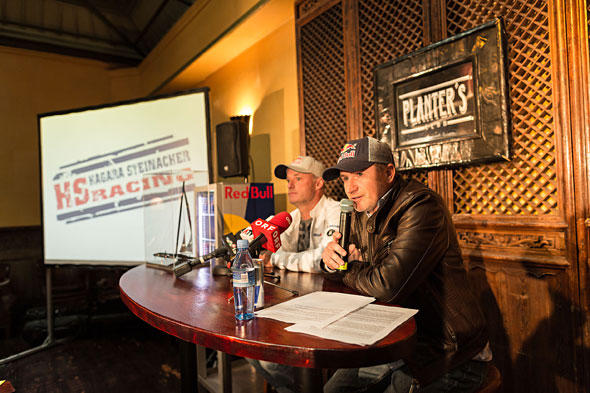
(314, 221)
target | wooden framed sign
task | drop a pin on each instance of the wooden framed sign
(446, 104)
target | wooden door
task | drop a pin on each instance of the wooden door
(515, 220)
(577, 19)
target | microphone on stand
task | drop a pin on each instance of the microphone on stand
(231, 239)
(186, 264)
(346, 208)
(267, 234)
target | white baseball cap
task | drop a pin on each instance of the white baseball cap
(302, 164)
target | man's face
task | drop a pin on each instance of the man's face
(366, 187)
(301, 187)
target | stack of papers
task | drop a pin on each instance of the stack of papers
(339, 316)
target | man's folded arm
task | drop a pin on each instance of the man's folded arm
(420, 242)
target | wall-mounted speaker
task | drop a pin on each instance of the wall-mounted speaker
(232, 148)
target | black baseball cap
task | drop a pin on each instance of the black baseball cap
(359, 154)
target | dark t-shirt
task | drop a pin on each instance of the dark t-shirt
(304, 235)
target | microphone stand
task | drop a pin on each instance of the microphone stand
(184, 264)
(223, 270)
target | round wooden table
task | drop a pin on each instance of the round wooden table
(197, 308)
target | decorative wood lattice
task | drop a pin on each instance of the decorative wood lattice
(324, 105)
(526, 184)
(387, 30)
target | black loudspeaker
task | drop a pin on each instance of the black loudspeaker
(232, 148)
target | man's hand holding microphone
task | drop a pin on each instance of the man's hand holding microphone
(335, 255)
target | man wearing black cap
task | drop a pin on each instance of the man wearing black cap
(404, 250)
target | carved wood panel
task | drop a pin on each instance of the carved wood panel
(544, 249)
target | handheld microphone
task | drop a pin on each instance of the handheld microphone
(267, 233)
(185, 264)
(346, 208)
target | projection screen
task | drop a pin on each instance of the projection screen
(96, 166)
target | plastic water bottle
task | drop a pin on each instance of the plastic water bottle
(244, 278)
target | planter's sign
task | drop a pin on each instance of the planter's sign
(437, 106)
(447, 103)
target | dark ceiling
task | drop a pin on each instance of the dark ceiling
(116, 31)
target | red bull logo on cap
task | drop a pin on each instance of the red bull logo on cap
(348, 151)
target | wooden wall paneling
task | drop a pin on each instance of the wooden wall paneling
(322, 83)
(532, 358)
(435, 28)
(387, 30)
(527, 185)
(567, 198)
(440, 180)
(563, 134)
(352, 60)
(516, 220)
(305, 11)
(299, 82)
(487, 279)
(577, 18)
(518, 214)
(426, 22)
(21, 261)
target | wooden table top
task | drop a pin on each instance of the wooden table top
(195, 308)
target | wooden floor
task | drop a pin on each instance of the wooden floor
(136, 358)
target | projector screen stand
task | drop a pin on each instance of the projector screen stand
(50, 339)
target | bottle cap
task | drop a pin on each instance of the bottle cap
(242, 243)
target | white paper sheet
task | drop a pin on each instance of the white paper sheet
(364, 326)
(317, 309)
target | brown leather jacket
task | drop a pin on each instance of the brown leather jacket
(415, 261)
